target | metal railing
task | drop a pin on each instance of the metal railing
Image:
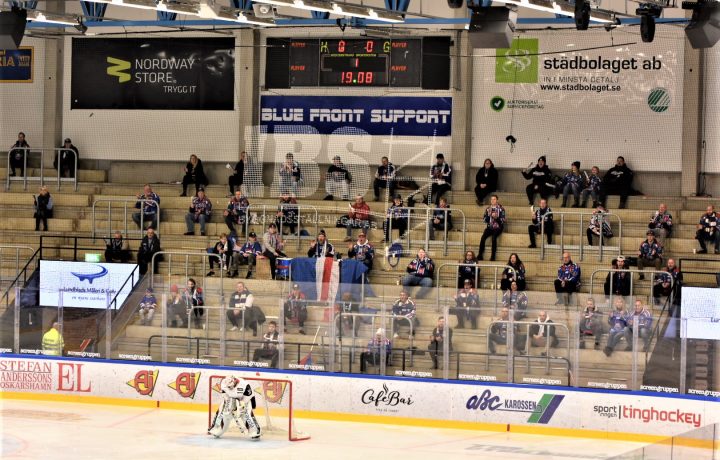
(25, 178)
(125, 202)
(428, 213)
(17, 249)
(477, 277)
(653, 274)
(488, 355)
(581, 245)
(265, 209)
(204, 256)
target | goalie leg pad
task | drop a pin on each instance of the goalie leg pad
(251, 423)
(223, 417)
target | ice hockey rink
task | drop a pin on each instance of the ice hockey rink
(60, 430)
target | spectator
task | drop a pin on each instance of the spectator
(194, 174)
(499, 333)
(176, 308)
(650, 253)
(404, 312)
(148, 203)
(396, 218)
(147, 307)
(17, 155)
(542, 331)
(272, 247)
(295, 308)
(618, 282)
(441, 178)
(592, 187)
(149, 246)
(117, 249)
(362, 251)
(420, 272)
(495, 220)
(568, 280)
(193, 297)
(247, 254)
(358, 216)
(236, 213)
(377, 345)
(337, 180)
(540, 214)
(43, 204)
(517, 301)
(661, 223)
(572, 182)
(437, 341)
(347, 307)
(641, 319)
(384, 178)
(321, 247)
(290, 176)
(66, 159)
(235, 181)
(467, 305)
(223, 248)
(707, 230)
(618, 325)
(199, 212)
(598, 221)
(617, 181)
(590, 324)
(515, 271)
(52, 341)
(469, 270)
(541, 181)
(668, 283)
(486, 181)
(441, 219)
(287, 214)
(242, 308)
(269, 349)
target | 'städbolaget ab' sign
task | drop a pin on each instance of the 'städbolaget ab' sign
(16, 66)
(153, 73)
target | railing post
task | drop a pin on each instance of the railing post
(582, 246)
(25, 171)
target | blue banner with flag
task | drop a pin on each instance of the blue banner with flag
(16, 66)
(326, 279)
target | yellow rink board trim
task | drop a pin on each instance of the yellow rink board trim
(382, 419)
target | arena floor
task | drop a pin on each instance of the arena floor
(35, 429)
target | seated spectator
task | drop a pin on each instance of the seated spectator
(194, 174)
(17, 153)
(420, 272)
(540, 214)
(617, 181)
(707, 230)
(242, 308)
(235, 181)
(290, 176)
(147, 203)
(236, 213)
(337, 180)
(641, 319)
(269, 349)
(223, 248)
(43, 205)
(247, 254)
(592, 186)
(396, 218)
(568, 280)
(404, 312)
(295, 308)
(362, 251)
(541, 332)
(486, 181)
(515, 271)
(618, 325)
(194, 300)
(346, 306)
(650, 253)
(147, 307)
(467, 305)
(176, 308)
(441, 178)
(494, 218)
(384, 178)
(377, 345)
(599, 221)
(499, 334)
(669, 283)
(272, 247)
(287, 214)
(590, 324)
(358, 217)
(199, 213)
(437, 341)
(617, 282)
(541, 177)
(572, 182)
(321, 247)
(149, 246)
(441, 219)
(661, 223)
(67, 158)
(117, 249)
(469, 270)
(517, 301)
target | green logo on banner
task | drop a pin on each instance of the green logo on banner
(117, 69)
(519, 63)
(497, 103)
(659, 100)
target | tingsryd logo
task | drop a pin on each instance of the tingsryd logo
(385, 397)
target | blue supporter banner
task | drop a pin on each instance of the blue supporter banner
(377, 116)
(16, 66)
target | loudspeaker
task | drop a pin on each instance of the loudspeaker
(12, 28)
(436, 62)
(703, 31)
(489, 28)
(456, 3)
(582, 15)
(647, 28)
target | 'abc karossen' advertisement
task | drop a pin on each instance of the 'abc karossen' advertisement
(153, 73)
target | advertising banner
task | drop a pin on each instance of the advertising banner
(700, 313)
(16, 66)
(377, 116)
(153, 73)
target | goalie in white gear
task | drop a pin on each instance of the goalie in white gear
(237, 403)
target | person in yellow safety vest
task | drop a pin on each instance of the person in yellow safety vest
(52, 342)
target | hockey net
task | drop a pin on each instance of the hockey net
(274, 408)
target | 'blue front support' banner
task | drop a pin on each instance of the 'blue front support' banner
(377, 116)
(16, 66)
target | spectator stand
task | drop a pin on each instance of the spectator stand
(495, 283)
(12, 258)
(653, 274)
(25, 178)
(425, 217)
(98, 206)
(272, 209)
(703, 268)
(581, 247)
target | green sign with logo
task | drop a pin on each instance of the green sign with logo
(519, 63)
(497, 103)
(659, 100)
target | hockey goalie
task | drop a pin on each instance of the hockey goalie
(237, 403)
